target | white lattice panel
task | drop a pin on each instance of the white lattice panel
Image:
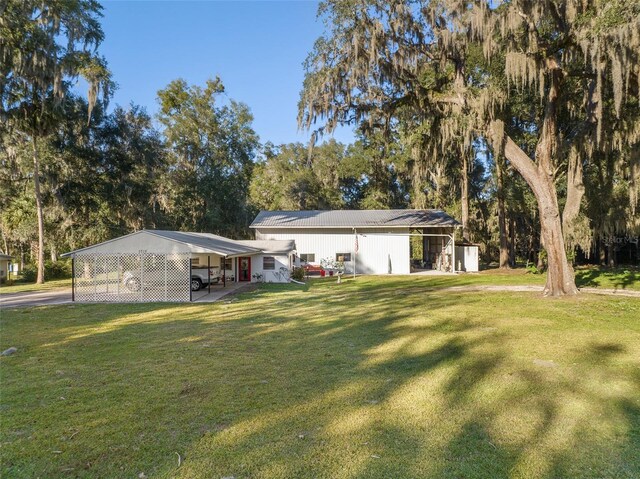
(143, 277)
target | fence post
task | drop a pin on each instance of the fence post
(73, 278)
(95, 282)
(141, 276)
(118, 278)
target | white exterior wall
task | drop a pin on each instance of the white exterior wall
(270, 276)
(4, 268)
(467, 259)
(377, 252)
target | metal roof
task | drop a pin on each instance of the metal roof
(214, 243)
(353, 219)
(197, 242)
(271, 246)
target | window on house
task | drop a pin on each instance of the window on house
(228, 263)
(195, 261)
(308, 258)
(344, 257)
(268, 263)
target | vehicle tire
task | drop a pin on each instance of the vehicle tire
(196, 284)
(133, 284)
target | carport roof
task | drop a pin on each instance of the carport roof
(271, 246)
(353, 219)
(214, 243)
(197, 243)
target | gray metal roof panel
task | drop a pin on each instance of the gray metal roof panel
(353, 219)
(214, 243)
(271, 246)
(203, 241)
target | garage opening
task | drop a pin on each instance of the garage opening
(131, 278)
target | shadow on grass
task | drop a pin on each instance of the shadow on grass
(368, 381)
(617, 278)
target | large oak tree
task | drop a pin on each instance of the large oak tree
(382, 61)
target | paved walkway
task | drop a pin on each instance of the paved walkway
(538, 289)
(31, 298)
(218, 292)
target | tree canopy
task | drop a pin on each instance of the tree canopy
(415, 66)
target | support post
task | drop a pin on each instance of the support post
(355, 253)
(209, 272)
(141, 276)
(93, 275)
(73, 278)
(453, 251)
(224, 271)
(166, 282)
(190, 290)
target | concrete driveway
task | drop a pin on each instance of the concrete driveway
(44, 298)
(63, 296)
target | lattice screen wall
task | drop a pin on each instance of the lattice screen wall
(132, 278)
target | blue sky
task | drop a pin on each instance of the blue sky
(257, 48)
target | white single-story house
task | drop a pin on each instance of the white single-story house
(155, 265)
(367, 241)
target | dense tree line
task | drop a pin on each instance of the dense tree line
(551, 87)
(521, 122)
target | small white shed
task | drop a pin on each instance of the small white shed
(467, 258)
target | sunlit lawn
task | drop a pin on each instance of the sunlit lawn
(374, 378)
(23, 287)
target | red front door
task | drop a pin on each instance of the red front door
(245, 269)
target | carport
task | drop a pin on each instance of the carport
(153, 265)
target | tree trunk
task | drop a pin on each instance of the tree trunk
(611, 255)
(465, 198)
(512, 242)
(502, 216)
(575, 192)
(540, 177)
(560, 277)
(602, 254)
(4, 240)
(36, 183)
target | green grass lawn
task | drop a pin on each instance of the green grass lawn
(586, 276)
(611, 278)
(374, 378)
(21, 287)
